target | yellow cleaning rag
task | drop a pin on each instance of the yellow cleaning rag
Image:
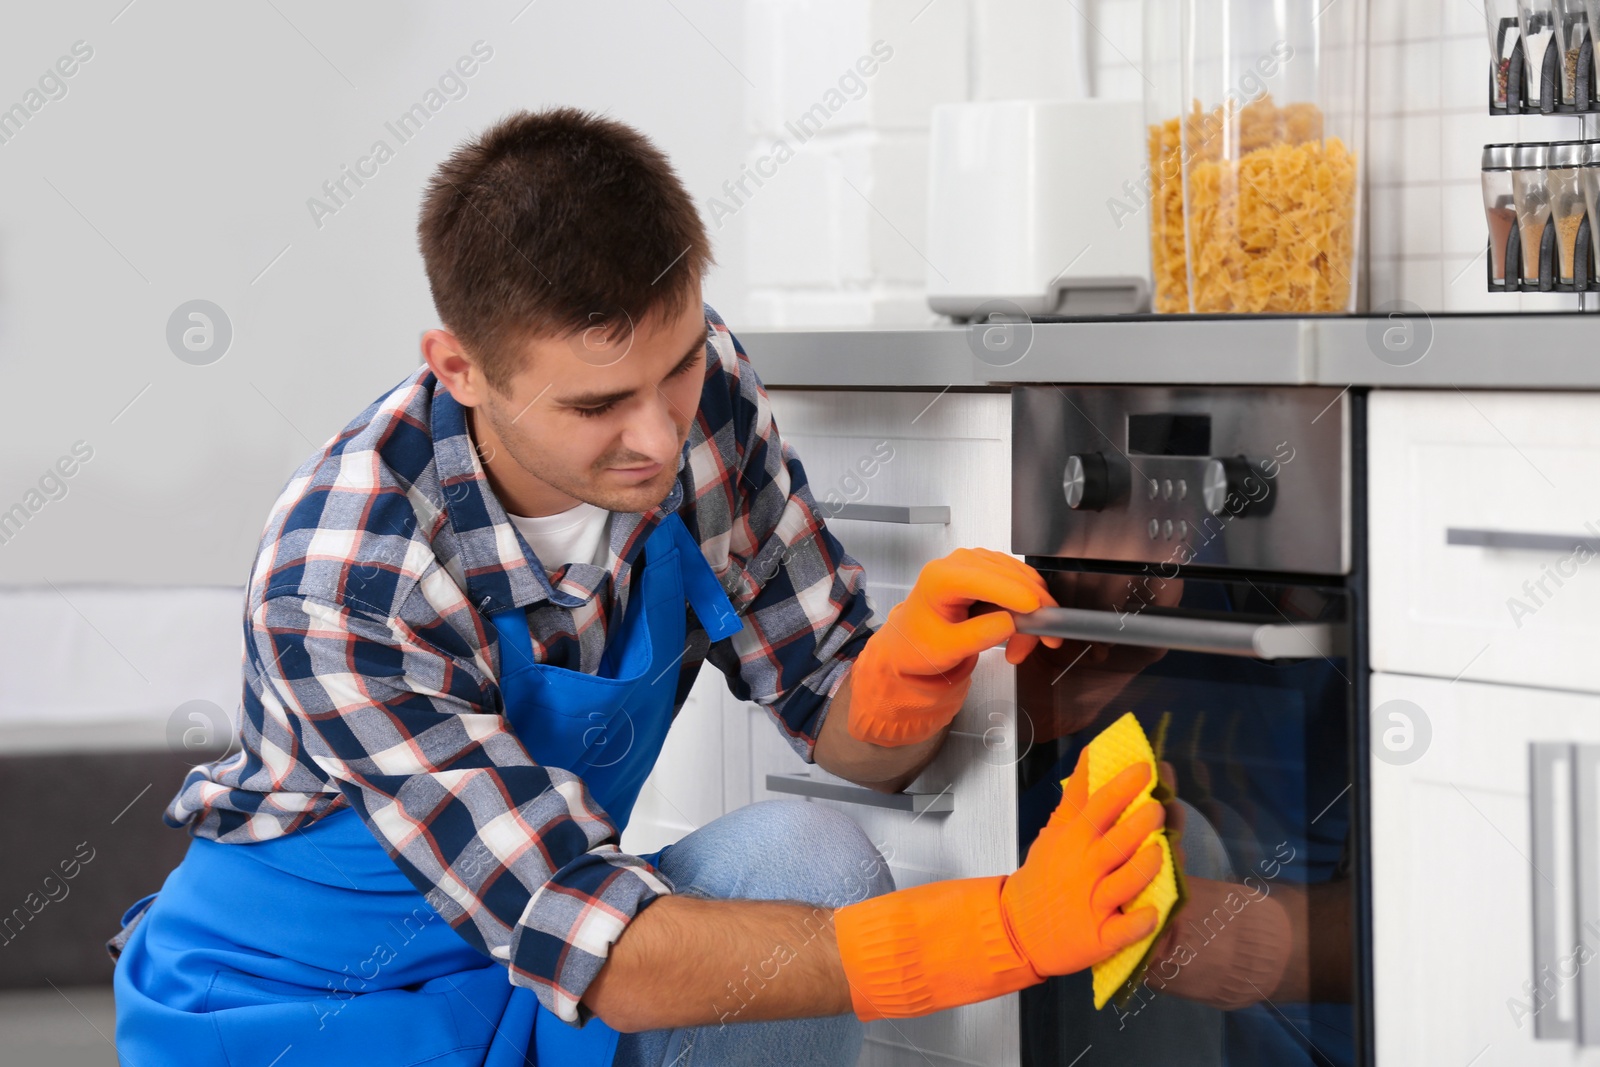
(1121, 745)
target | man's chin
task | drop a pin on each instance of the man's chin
(638, 497)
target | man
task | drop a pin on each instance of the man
(472, 618)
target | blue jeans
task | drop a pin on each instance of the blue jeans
(769, 850)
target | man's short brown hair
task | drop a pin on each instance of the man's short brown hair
(553, 222)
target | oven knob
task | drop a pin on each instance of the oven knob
(1086, 482)
(1233, 477)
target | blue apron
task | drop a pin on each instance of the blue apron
(315, 947)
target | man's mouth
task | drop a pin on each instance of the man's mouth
(637, 474)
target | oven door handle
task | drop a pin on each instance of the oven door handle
(1305, 640)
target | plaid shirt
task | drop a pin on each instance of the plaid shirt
(370, 668)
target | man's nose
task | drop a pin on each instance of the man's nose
(655, 433)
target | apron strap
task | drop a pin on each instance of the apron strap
(711, 604)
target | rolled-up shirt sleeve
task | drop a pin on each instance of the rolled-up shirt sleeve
(519, 858)
(803, 598)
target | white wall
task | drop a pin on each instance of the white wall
(178, 166)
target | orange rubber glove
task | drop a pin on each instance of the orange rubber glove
(913, 673)
(944, 944)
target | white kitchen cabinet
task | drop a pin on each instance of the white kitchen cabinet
(950, 449)
(1513, 479)
(1459, 862)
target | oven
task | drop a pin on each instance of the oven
(1203, 545)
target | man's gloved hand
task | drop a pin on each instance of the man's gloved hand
(943, 944)
(912, 675)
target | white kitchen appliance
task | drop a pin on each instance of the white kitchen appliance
(1038, 204)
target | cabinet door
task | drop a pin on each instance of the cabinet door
(1485, 531)
(703, 770)
(950, 449)
(1463, 859)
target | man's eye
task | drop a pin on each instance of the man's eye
(590, 413)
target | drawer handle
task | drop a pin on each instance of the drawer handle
(806, 786)
(1255, 640)
(1585, 826)
(1544, 756)
(909, 514)
(1529, 542)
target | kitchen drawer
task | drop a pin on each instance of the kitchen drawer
(950, 449)
(977, 838)
(1516, 476)
(904, 449)
(1453, 854)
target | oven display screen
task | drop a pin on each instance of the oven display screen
(1169, 435)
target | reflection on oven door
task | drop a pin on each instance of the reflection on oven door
(1255, 968)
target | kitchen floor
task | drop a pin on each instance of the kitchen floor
(69, 1027)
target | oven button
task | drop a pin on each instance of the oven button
(1183, 488)
(1232, 478)
(1166, 529)
(1153, 488)
(1155, 529)
(1086, 482)
(1183, 530)
(1166, 489)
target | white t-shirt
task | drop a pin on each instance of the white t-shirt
(577, 535)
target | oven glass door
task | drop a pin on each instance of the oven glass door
(1257, 967)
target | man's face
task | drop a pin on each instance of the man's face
(597, 418)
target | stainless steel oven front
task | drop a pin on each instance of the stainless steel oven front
(1202, 544)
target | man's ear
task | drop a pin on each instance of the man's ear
(444, 355)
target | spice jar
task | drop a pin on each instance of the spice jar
(1530, 187)
(1537, 19)
(1504, 37)
(1268, 138)
(1572, 30)
(1589, 178)
(1499, 205)
(1566, 203)
(1591, 8)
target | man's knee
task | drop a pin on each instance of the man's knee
(819, 854)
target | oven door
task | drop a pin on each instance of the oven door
(1245, 685)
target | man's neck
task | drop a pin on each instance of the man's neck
(519, 492)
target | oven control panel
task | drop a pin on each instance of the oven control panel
(1249, 478)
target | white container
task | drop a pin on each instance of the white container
(1040, 204)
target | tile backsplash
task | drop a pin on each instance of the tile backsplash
(1428, 120)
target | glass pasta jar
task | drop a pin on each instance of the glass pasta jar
(1268, 145)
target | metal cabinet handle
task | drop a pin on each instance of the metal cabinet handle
(1255, 640)
(1514, 539)
(1585, 827)
(1544, 757)
(911, 514)
(807, 786)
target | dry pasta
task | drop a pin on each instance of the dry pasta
(1270, 227)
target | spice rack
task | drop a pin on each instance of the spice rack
(1542, 198)
(1542, 201)
(1584, 276)
(1526, 91)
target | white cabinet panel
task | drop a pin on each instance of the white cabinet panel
(684, 790)
(1453, 855)
(1496, 467)
(926, 448)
